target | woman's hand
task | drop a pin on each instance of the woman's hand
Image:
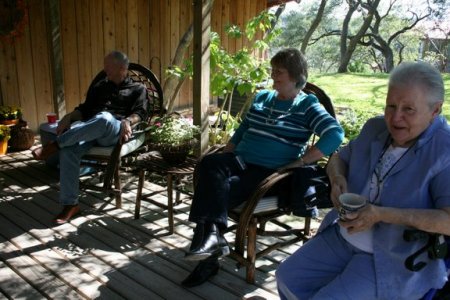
(361, 220)
(338, 187)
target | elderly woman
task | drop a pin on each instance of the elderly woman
(402, 165)
(273, 135)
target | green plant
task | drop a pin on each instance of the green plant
(173, 130)
(10, 113)
(224, 127)
(352, 122)
(5, 133)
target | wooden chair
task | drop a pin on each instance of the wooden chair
(252, 216)
(108, 159)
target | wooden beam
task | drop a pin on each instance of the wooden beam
(201, 77)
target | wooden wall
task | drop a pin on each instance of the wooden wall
(147, 30)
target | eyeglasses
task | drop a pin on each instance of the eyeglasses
(277, 71)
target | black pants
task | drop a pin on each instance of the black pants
(223, 184)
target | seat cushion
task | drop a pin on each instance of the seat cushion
(266, 204)
(127, 148)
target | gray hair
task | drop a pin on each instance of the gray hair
(120, 58)
(419, 73)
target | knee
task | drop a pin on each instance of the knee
(105, 117)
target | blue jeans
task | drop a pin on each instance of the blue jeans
(103, 129)
(327, 267)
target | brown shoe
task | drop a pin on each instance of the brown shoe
(43, 153)
(66, 214)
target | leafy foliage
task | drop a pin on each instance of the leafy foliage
(173, 130)
(10, 113)
(5, 133)
(352, 122)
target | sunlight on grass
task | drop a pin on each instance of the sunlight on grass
(363, 92)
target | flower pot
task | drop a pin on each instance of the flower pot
(3, 147)
(22, 138)
(9, 122)
(175, 154)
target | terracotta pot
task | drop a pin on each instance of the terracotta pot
(9, 122)
(3, 147)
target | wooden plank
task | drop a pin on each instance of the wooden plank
(156, 38)
(109, 30)
(239, 9)
(15, 286)
(132, 33)
(120, 19)
(84, 46)
(26, 77)
(70, 56)
(226, 20)
(165, 36)
(36, 275)
(247, 14)
(92, 240)
(50, 257)
(185, 94)
(144, 20)
(11, 86)
(42, 73)
(96, 30)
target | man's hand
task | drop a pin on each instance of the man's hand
(63, 124)
(125, 133)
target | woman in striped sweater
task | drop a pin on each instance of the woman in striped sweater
(273, 135)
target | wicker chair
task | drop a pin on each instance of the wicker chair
(252, 216)
(108, 159)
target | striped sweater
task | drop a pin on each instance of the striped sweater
(275, 132)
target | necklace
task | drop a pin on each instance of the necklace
(271, 118)
(378, 175)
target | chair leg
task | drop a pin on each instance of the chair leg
(251, 250)
(307, 227)
(137, 208)
(118, 188)
(170, 201)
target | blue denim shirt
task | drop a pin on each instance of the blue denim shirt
(421, 179)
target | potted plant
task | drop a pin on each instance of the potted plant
(10, 115)
(173, 136)
(5, 135)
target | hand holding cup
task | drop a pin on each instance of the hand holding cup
(350, 203)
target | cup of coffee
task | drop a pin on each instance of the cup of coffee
(51, 118)
(350, 203)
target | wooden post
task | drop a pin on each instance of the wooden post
(201, 77)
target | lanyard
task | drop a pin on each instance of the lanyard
(381, 177)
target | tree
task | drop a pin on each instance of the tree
(348, 43)
(374, 38)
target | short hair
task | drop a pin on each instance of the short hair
(120, 58)
(422, 74)
(294, 62)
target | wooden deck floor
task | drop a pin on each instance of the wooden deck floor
(103, 253)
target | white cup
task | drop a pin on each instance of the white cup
(350, 203)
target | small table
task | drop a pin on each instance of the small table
(153, 162)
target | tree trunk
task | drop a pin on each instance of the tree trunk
(313, 26)
(347, 50)
(170, 89)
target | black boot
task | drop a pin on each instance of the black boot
(207, 241)
(204, 270)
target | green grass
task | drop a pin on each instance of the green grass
(364, 92)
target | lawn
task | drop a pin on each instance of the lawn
(363, 92)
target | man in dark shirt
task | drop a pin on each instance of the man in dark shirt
(112, 106)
